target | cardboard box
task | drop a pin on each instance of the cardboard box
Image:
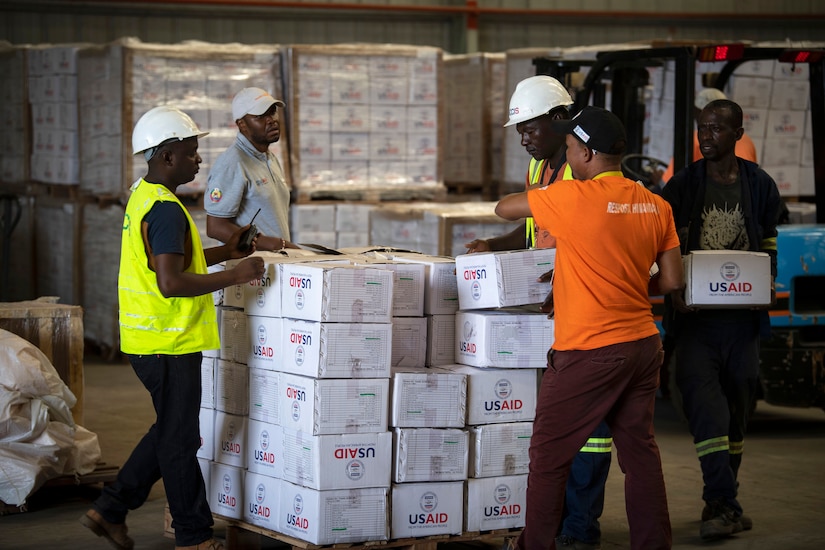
(427, 398)
(440, 287)
(336, 350)
(206, 419)
(500, 279)
(785, 123)
(506, 338)
(337, 461)
(336, 293)
(264, 449)
(230, 439)
(440, 340)
(261, 500)
(232, 387)
(727, 279)
(333, 406)
(263, 395)
(331, 517)
(409, 341)
(265, 335)
(426, 509)
(499, 395)
(226, 491)
(429, 454)
(495, 503)
(408, 285)
(500, 449)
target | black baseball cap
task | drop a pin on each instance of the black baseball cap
(597, 128)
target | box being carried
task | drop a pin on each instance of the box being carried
(501, 279)
(727, 279)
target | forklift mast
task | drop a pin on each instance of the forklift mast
(626, 72)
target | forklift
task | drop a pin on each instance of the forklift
(792, 361)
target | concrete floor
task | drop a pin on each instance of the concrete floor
(782, 479)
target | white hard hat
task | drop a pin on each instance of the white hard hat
(160, 124)
(706, 95)
(536, 96)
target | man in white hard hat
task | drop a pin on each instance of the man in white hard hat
(248, 177)
(167, 318)
(535, 105)
(745, 147)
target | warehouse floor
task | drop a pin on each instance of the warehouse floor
(782, 479)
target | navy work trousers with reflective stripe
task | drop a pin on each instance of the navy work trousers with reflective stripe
(584, 497)
(717, 366)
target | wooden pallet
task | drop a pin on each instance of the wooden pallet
(102, 474)
(240, 534)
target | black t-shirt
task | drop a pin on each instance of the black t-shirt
(167, 228)
(723, 220)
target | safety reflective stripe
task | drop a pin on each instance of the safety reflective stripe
(715, 445)
(736, 447)
(530, 225)
(768, 244)
(597, 445)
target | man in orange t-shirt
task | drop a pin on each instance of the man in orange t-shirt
(604, 364)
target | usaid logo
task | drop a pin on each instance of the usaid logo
(428, 501)
(227, 484)
(230, 431)
(729, 271)
(501, 494)
(355, 470)
(261, 334)
(298, 504)
(260, 297)
(503, 388)
(263, 440)
(260, 493)
(300, 299)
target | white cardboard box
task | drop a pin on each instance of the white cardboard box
(408, 285)
(230, 439)
(429, 454)
(262, 500)
(231, 387)
(425, 509)
(409, 341)
(495, 503)
(226, 490)
(337, 461)
(727, 279)
(264, 449)
(500, 449)
(263, 395)
(334, 406)
(440, 340)
(206, 419)
(499, 395)
(505, 338)
(427, 398)
(234, 336)
(266, 342)
(331, 517)
(785, 123)
(440, 288)
(336, 293)
(500, 279)
(336, 350)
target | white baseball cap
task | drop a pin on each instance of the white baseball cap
(706, 95)
(253, 101)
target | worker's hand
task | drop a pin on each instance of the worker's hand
(249, 270)
(678, 299)
(547, 306)
(235, 239)
(478, 245)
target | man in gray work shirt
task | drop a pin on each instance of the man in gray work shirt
(247, 176)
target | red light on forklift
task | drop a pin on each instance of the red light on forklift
(801, 56)
(721, 52)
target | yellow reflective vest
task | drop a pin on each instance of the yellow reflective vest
(149, 322)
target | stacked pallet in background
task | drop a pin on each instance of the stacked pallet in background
(475, 109)
(366, 121)
(15, 124)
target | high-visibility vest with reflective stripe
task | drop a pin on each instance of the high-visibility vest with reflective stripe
(597, 445)
(535, 172)
(149, 322)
